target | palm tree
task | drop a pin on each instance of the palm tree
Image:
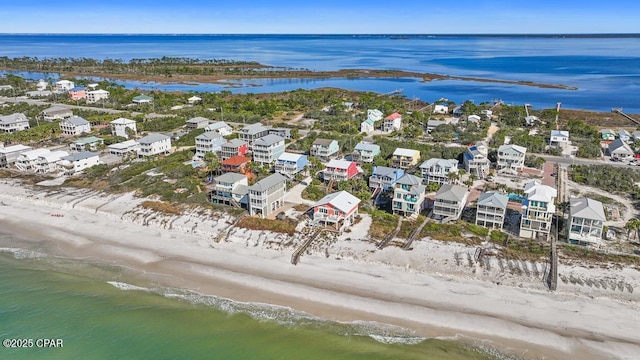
(632, 225)
(453, 176)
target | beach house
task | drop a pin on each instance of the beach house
(624, 135)
(267, 195)
(9, 154)
(367, 126)
(154, 144)
(340, 170)
(14, 122)
(63, 86)
(253, 132)
(220, 127)
(476, 161)
(474, 119)
(392, 122)
(438, 170)
(48, 162)
(440, 109)
(284, 133)
(338, 210)
(194, 100)
(374, 114)
(511, 158)
(365, 152)
(56, 113)
(289, 164)
(208, 142)
(559, 138)
(408, 196)
(538, 209)
(77, 93)
(124, 148)
(432, 124)
(324, 149)
(142, 99)
(620, 150)
(91, 143)
(97, 95)
(450, 201)
(119, 127)
(384, 178)
(197, 122)
(405, 158)
(607, 134)
(230, 189)
(74, 126)
(27, 160)
(491, 210)
(78, 162)
(586, 221)
(233, 147)
(267, 149)
(237, 164)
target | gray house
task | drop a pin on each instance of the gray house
(450, 201)
(492, 207)
(586, 222)
(267, 195)
(620, 150)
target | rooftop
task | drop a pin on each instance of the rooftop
(152, 138)
(341, 200)
(80, 156)
(452, 192)
(494, 199)
(268, 140)
(268, 182)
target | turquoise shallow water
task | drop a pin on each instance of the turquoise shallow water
(98, 314)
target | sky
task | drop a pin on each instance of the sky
(321, 17)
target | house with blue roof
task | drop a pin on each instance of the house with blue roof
(289, 164)
(384, 177)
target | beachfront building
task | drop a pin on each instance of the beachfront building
(236, 164)
(559, 138)
(340, 170)
(586, 222)
(208, 142)
(405, 158)
(365, 152)
(74, 126)
(620, 150)
(392, 122)
(124, 148)
(28, 160)
(197, 122)
(408, 196)
(9, 154)
(77, 93)
(635, 136)
(142, 99)
(474, 119)
(324, 149)
(77, 163)
(384, 178)
(220, 127)
(119, 127)
(367, 126)
(440, 109)
(337, 210)
(267, 149)
(491, 210)
(48, 162)
(230, 189)
(97, 95)
(233, 147)
(476, 161)
(607, 134)
(63, 86)
(450, 201)
(538, 209)
(289, 164)
(154, 144)
(624, 135)
(14, 123)
(438, 171)
(91, 143)
(56, 113)
(487, 114)
(511, 158)
(253, 132)
(267, 195)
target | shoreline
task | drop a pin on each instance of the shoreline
(434, 303)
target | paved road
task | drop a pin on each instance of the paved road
(580, 161)
(294, 195)
(40, 102)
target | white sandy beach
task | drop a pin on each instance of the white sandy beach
(594, 314)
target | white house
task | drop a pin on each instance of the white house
(538, 209)
(586, 222)
(63, 86)
(27, 161)
(367, 126)
(267, 149)
(220, 127)
(620, 150)
(474, 118)
(119, 127)
(75, 126)
(437, 170)
(154, 144)
(559, 138)
(392, 122)
(76, 163)
(48, 162)
(97, 95)
(14, 122)
(374, 114)
(476, 160)
(194, 99)
(197, 122)
(9, 154)
(230, 189)
(124, 148)
(208, 142)
(56, 113)
(511, 158)
(440, 109)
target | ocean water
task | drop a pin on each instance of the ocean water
(606, 70)
(98, 313)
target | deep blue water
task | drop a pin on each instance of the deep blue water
(606, 70)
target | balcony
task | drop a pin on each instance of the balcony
(411, 199)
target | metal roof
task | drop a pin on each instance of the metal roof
(341, 200)
(80, 156)
(408, 179)
(452, 192)
(268, 140)
(268, 182)
(494, 199)
(587, 208)
(152, 138)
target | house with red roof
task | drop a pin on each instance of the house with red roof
(392, 122)
(237, 164)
